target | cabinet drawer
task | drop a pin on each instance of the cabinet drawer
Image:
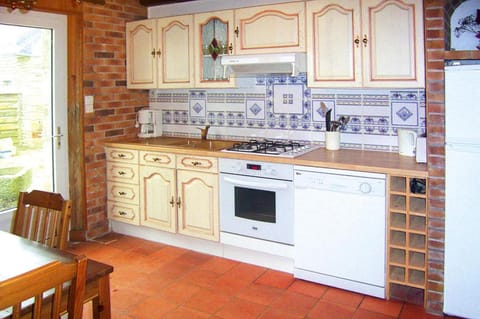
(123, 212)
(122, 155)
(205, 164)
(157, 159)
(125, 193)
(120, 172)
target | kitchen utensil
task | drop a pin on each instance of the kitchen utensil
(328, 116)
(406, 142)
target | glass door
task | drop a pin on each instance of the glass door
(33, 104)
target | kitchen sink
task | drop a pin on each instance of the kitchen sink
(210, 145)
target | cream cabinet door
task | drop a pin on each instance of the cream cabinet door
(176, 61)
(393, 34)
(334, 59)
(157, 198)
(198, 209)
(270, 29)
(141, 54)
(213, 39)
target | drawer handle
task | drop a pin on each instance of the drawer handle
(156, 159)
(179, 202)
(121, 155)
(121, 173)
(172, 201)
(122, 193)
(196, 163)
(122, 213)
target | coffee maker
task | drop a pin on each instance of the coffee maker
(150, 122)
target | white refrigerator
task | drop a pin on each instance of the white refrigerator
(462, 189)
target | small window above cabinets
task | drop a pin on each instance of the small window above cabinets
(213, 39)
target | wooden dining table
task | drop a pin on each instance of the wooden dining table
(20, 255)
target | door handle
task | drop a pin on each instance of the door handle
(58, 137)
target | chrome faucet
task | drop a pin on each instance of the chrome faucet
(204, 132)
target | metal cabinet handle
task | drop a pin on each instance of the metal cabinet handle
(122, 193)
(179, 202)
(122, 213)
(357, 41)
(237, 31)
(159, 52)
(153, 53)
(121, 155)
(196, 163)
(230, 47)
(172, 201)
(121, 173)
(156, 159)
(365, 40)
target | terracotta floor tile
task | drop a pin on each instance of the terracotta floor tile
(229, 285)
(168, 253)
(185, 313)
(295, 303)
(343, 297)
(219, 265)
(276, 279)
(152, 307)
(200, 277)
(246, 272)
(367, 314)
(193, 258)
(387, 307)
(178, 292)
(123, 299)
(308, 288)
(261, 294)
(329, 310)
(278, 314)
(207, 301)
(240, 309)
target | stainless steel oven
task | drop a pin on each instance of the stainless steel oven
(256, 199)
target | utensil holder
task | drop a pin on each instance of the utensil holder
(332, 140)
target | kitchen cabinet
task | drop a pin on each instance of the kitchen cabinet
(365, 43)
(160, 53)
(407, 233)
(197, 187)
(174, 193)
(157, 191)
(213, 39)
(122, 185)
(270, 29)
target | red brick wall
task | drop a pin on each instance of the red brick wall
(115, 106)
(437, 25)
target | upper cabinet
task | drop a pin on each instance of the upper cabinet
(213, 39)
(270, 29)
(160, 53)
(366, 43)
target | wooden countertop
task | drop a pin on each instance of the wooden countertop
(368, 161)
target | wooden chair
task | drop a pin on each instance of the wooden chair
(43, 217)
(31, 287)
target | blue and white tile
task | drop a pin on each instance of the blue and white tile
(255, 109)
(198, 108)
(288, 99)
(317, 112)
(404, 113)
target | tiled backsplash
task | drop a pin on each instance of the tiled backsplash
(283, 107)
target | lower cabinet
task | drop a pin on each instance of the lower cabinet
(179, 194)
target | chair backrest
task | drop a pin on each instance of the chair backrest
(42, 217)
(32, 292)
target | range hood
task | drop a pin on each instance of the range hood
(291, 63)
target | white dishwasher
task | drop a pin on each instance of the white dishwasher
(340, 225)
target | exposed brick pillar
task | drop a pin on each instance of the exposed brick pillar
(115, 106)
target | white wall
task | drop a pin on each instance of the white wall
(205, 6)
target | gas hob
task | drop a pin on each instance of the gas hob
(272, 148)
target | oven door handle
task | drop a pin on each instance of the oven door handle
(276, 186)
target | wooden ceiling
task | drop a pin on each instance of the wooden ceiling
(149, 3)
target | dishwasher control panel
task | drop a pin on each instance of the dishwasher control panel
(354, 182)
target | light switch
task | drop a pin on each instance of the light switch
(88, 103)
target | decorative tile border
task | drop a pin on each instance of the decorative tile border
(285, 105)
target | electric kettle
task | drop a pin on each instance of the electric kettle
(406, 142)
